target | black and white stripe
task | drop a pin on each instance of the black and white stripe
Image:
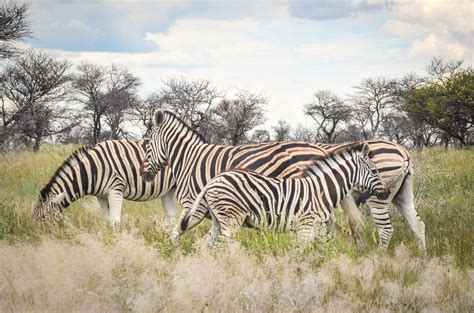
(239, 197)
(194, 162)
(110, 171)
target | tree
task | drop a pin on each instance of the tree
(32, 86)
(305, 134)
(190, 99)
(89, 84)
(281, 132)
(447, 105)
(13, 27)
(329, 112)
(119, 98)
(144, 110)
(232, 119)
(260, 136)
(373, 102)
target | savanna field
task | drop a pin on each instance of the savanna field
(82, 265)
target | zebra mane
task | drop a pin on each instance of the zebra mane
(179, 119)
(71, 161)
(330, 154)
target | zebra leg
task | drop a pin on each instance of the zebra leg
(104, 204)
(356, 219)
(177, 231)
(229, 222)
(405, 202)
(115, 204)
(169, 204)
(381, 216)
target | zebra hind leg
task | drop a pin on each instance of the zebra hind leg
(405, 202)
(228, 224)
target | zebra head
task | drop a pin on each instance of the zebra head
(49, 207)
(156, 154)
(367, 176)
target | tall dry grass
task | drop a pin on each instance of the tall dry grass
(81, 265)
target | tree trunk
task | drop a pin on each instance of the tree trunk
(37, 144)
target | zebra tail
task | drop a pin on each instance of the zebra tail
(194, 208)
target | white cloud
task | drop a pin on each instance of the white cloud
(435, 28)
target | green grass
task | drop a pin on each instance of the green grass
(444, 185)
(43, 267)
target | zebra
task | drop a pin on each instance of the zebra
(395, 165)
(239, 197)
(194, 162)
(110, 171)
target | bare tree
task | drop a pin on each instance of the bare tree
(329, 112)
(119, 98)
(32, 86)
(439, 69)
(13, 27)
(89, 84)
(190, 99)
(234, 118)
(144, 110)
(302, 133)
(281, 132)
(373, 102)
(260, 136)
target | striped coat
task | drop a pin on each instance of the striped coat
(240, 197)
(194, 162)
(110, 171)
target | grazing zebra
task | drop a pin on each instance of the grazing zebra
(194, 162)
(110, 171)
(239, 197)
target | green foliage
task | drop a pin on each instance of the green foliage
(447, 105)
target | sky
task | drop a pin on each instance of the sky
(286, 50)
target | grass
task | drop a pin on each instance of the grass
(82, 265)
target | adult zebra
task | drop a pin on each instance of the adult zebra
(110, 171)
(239, 197)
(194, 162)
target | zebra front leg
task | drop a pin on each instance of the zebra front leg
(177, 230)
(169, 204)
(356, 219)
(104, 204)
(381, 216)
(115, 198)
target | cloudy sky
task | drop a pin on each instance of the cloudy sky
(286, 50)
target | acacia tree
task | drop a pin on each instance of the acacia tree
(329, 112)
(33, 86)
(232, 119)
(13, 27)
(373, 102)
(448, 106)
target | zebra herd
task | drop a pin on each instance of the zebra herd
(292, 186)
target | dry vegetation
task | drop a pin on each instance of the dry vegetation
(82, 265)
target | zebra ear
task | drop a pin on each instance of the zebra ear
(57, 199)
(365, 149)
(159, 117)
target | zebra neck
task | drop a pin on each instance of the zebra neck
(183, 149)
(337, 180)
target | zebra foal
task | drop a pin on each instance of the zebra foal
(239, 197)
